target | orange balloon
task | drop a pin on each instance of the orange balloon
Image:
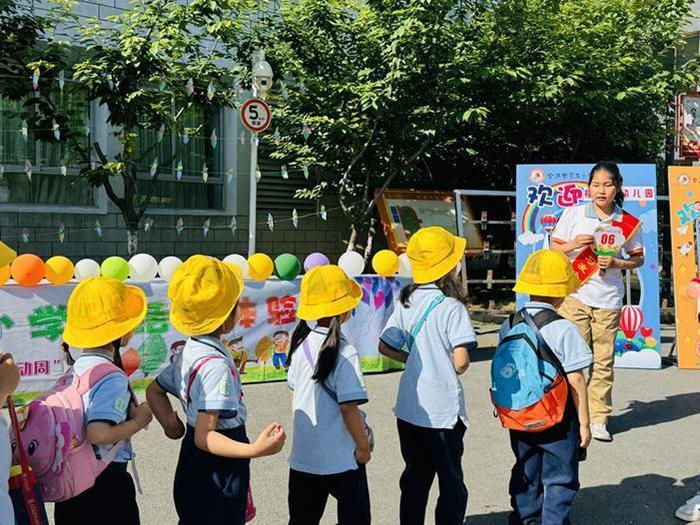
(27, 270)
(4, 274)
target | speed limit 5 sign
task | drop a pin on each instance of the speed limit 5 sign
(256, 115)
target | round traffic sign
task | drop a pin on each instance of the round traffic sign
(256, 115)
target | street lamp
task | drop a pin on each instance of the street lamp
(262, 82)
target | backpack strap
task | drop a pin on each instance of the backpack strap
(310, 360)
(419, 325)
(541, 342)
(84, 382)
(198, 366)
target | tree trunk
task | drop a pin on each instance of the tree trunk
(132, 233)
(353, 238)
(370, 239)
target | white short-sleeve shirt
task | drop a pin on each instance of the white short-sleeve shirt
(598, 292)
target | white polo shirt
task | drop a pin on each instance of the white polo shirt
(598, 292)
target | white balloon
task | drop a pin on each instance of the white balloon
(405, 269)
(239, 261)
(86, 268)
(143, 268)
(352, 263)
(167, 267)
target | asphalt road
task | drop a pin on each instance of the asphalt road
(651, 468)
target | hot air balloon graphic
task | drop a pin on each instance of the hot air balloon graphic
(631, 320)
(549, 222)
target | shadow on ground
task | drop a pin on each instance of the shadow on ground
(648, 413)
(650, 499)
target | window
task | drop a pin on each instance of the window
(54, 164)
(190, 192)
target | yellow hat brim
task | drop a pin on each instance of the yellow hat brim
(337, 307)
(546, 290)
(135, 309)
(192, 328)
(439, 270)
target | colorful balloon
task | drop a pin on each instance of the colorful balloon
(260, 267)
(315, 259)
(27, 270)
(115, 267)
(5, 274)
(167, 267)
(59, 270)
(287, 267)
(239, 261)
(143, 268)
(86, 268)
(631, 320)
(385, 263)
(352, 263)
(549, 222)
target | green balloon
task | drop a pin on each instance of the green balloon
(115, 267)
(287, 266)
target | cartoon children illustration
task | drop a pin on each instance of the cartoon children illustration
(281, 341)
(237, 350)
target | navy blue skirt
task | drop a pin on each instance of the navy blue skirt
(209, 488)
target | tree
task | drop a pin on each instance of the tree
(149, 66)
(367, 91)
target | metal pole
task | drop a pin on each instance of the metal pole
(460, 232)
(253, 204)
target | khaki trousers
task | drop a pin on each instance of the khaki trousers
(598, 327)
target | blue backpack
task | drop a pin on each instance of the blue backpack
(528, 383)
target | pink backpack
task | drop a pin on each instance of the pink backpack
(55, 438)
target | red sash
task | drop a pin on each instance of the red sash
(586, 263)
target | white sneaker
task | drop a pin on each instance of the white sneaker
(600, 432)
(691, 510)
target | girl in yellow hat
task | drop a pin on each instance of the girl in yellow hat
(213, 471)
(431, 332)
(102, 316)
(331, 440)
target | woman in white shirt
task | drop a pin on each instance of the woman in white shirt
(596, 232)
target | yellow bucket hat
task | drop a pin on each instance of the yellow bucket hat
(101, 310)
(434, 252)
(327, 291)
(547, 273)
(203, 292)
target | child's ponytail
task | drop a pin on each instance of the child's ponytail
(328, 354)
(301, 332)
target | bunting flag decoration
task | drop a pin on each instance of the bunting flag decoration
(98, 229)
(24, 129)
(148, 224)
(25, 235)
(258, 173)
(189, 87)
(230, 174)
(305, 168)
(233, 225)
(185, 138)
(28, 169)
(180, 226)
(154, 167)
(285, 173)
(35, 79)
(161, 133)
(93, 165)
(86, 129)
(206, 226)
(64, 169)
(214, 139)
(161, 84)
(278, 137)
(56, 130)
(61, 80)
(324, 215)
(295, 218)
(285, 91)
(61, 233)
(302, 89)
(211, 90)
(205, 172)
(178, 171)
(241, 138)
(306, 132)
(270, 222)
